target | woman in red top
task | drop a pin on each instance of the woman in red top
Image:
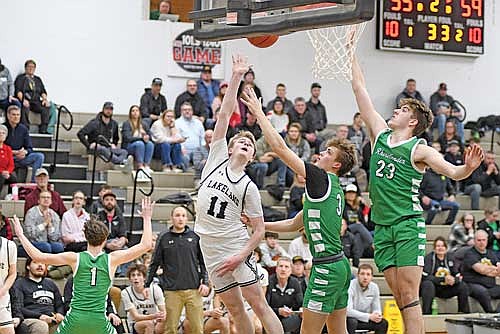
(7, 175)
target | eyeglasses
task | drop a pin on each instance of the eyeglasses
(45, 197)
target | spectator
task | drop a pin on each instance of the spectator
(235, 119)
(42, 184)
(437, 193)
(42, 226)
(136, 140)
(441, 95)
(145, 313)
(484, 181)
(440, 278)
(296, 143)
(19, 141)
(7, 93)
(285, 296)
(191, 129)
(72, 225)
(16, 312)
(491, 225)
(317, 108)
(117, 238)
(364, 311)
(7, 175)
(281, 95)
(462, 233)
(200, 155)
(249, 78)
(350, 244)
(184, 279)
(410, 91)
(354, 215)
(164, 7)
(300, 114)
(208, 89)
(455, 157)
(192, 96)
(449, 135)
(153, 102)
(217, 102)
(261, 272)
(104, 125)
(355, 132)
(271, 251)
(251, 126)
(296, 200)
(5, 226)
(31, 92)
(98, 205)
(480, 270)
(300, 247)
(267, 164)
(299, 271)
(168, 142)
(41, 302)
(279, 119)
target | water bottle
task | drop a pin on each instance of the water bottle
(15, 192)
(435, 307)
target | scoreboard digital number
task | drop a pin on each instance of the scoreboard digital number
(432, 26)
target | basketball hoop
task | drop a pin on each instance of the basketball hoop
(333, 55)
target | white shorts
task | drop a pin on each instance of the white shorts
(216, 251)
(5, 312)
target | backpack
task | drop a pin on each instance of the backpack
(272, 215)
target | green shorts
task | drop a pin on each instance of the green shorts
(328, 287)
(400, 245)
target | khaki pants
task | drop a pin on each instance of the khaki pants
(175, 301)
(37, 326)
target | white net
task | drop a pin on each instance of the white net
(334, 50)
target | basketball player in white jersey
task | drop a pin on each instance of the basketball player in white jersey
(225, 193)
(8, 273)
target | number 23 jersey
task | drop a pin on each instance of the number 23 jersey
(223, 196)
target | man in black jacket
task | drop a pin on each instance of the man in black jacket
(284, 296)
(317, 108)
(153, 103)
(440, 278)
(185, 278)
(104, 125)
(410, 91)
(280, 95)
(491, 225)
(191, 95)
(484, 181)
(40, 299)
(300, 114)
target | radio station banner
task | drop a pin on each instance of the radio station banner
(188, 55)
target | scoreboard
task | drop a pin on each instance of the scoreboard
(432, 26)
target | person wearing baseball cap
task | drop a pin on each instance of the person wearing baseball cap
(271, 250)
(208, 89)
(441, 95)
(42, 184)
(316, 108)
(249, 79)
(299, 271)
(153, 103)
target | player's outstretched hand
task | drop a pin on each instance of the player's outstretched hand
(240, 64)
(473, 156)
(147, 208)
(253, 103)
(229, 265)
(17, 226)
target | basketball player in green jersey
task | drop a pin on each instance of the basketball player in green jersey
(326, 296)
(398, 162)
(93, 273)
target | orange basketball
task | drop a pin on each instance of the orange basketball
(263, 41)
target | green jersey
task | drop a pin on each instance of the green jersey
(394, 180)
(323, 216)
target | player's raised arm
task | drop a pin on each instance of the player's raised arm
(473, 157)
(66, 258)
(374, 122)
(240, 67)
(126, 255)
(287, 225)
(274, 139)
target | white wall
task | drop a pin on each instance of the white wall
(96, 50)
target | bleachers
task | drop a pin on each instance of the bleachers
(73, 173)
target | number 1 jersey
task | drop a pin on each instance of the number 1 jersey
(223, 196)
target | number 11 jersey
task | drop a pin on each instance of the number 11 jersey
(223, 196)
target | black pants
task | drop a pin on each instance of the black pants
(428, 290)
(378, 328)
(38, 108)
(12, 179)
(484, 295)
(76, 247)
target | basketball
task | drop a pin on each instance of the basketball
(263, 41)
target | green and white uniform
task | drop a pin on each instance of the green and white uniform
(323, 208)
(396, 211)
(91, 282)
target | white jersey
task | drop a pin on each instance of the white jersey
(8, 256)
(223, 196)
(132, 299)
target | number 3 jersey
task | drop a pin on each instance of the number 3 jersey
(394, 180)
(223, 196)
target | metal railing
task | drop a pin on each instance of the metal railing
(60, 109)
(147, 194)
(103, 140)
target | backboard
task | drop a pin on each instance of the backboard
(231, 19)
